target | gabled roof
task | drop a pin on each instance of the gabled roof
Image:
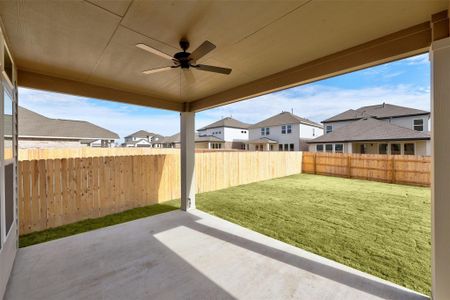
(285, 118)
(379, 111)
(262, 140)
(32, 124)
(370, 129)
(175, 139)
(145, 141)
(226, 122)
(208, 138)
(142, 134)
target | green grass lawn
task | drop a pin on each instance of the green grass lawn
(382, 229)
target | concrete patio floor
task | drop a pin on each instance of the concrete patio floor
(180, 255)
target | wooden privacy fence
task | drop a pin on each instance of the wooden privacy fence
(403, 169)
(54, 153)
(55, 192)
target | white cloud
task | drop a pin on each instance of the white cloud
(318, 102)
(120, 118)
(418, 60)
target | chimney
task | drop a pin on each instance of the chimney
(292, 110)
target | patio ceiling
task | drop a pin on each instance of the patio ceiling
(88, 48)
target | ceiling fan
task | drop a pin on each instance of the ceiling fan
(185, 60)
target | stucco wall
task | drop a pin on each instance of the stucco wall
(227, 134)
(310, 132)
(276, 135)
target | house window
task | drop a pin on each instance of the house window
(286, 147)
(267, 131)
(395, 149)
(280, 147)
(328, 129)
(418, 124)
(271, 147)
(263, 131)
(283, 129)
(329, 147)
(338, 148)
(8, 65)
(291, 147)
(382, 148)
(8, 117)
(319, 148)
(408, 149)
(289, 129)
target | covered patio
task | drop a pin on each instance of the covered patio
(179, 255)
(95, 49)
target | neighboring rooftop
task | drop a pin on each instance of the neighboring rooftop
(285, 118)
(370, 129)
(379, 111)
(226, 122)
(175, 139)
(32, 124)
(142, 134)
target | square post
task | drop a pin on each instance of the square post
(187, 139)
(440, 188)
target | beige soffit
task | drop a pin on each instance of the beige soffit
(269, 44)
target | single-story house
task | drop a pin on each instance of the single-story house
(38, 131)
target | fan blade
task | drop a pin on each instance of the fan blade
(154, 51)
(202, 50)
(214, 69)
(156, 70)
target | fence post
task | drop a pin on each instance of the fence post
(349, 166)
(393, 169)
(314, 163)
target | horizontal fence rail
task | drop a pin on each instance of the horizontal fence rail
(54, 192)
(60, 153)
(402, 169)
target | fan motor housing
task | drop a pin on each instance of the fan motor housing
(183, 58)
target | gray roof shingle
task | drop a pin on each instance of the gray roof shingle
(379, 111)
(32, 124)
(285, 118)
(227, 122)
(142, 134)
(175, 139)
(370, 129)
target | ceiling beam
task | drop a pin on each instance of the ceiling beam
(411, 41)
(59, 85)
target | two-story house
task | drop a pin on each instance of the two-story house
(232, 133)
(283, 132)
(376, 129)
(142, 138)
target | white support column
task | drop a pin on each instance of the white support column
(187, 160)
(440, 191)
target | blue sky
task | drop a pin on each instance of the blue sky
(405, 82)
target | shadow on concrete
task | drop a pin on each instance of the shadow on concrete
(129, 261)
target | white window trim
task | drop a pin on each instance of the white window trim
(414, 125)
